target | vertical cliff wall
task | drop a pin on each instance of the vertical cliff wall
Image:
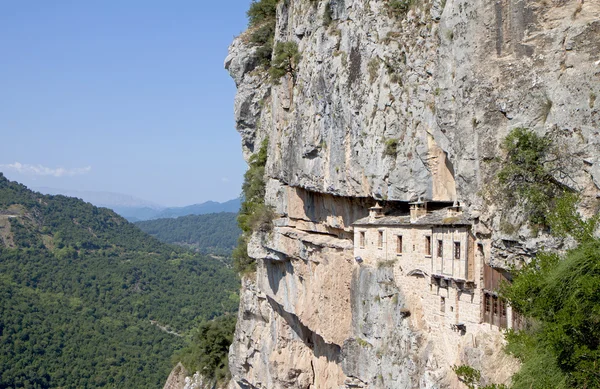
(396, 107)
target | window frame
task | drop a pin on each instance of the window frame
(457, 250)
(428, 245)
(399, 245)
(362, 239)
(380, 239)
(440, 248)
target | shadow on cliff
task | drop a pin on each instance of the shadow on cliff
(312, 340)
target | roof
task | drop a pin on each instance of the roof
(435, 218)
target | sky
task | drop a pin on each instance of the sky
(121, 96)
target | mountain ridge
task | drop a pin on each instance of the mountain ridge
(136, 209)
(84, 294)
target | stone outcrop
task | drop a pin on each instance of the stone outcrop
(180, 378)
(396, 108)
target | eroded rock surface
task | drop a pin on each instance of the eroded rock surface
(444, 83)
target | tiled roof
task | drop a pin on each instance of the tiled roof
(434, 218)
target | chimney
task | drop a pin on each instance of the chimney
(375, 212)
(417, 210)
(455, 209)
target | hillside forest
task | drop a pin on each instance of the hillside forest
(214, 233)
(89, 300)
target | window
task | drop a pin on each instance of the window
(380, 240)
(494, 310)
(443, 304)
(456, 250)
(399, 244)
(440, 249)
(362, 239)
(428, 245)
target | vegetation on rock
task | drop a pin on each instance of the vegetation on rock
(527, 176)
(399, 8)
(471, 378)
(89, 300)
(209, 348)
(254, 213)
(327, 15)
(558, 294)
(285, 61)
(262, 19)
(391, 147)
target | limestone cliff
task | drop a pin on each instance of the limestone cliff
(394, 108)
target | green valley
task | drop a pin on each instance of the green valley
(214, 233)
(89, 300)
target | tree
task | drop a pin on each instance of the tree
(285, 60)
(529, 174)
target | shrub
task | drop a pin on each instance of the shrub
(261, 11)
(559, 296)
(373, 67)
(468, 375)
(262, 20)
(327, 15)
(285, 60)
(209, 348)
(254, 214)
(526, 176)
(399, 8)
(391, 147)
(471, 377)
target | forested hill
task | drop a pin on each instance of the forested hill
(86, 298)
(215, 233)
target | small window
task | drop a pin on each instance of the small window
(443, 304)
(380, 240)
(428, 245)
(502, 307)
(440, 249)
(399, 244)
(495, 304)
(362, 239)
(456, 250)
(487, 302)
(480, 249)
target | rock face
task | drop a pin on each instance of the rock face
(395, 108)
(181, 379)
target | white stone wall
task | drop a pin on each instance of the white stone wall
(460, 306)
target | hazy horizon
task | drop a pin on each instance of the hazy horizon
(120, 97)
(114, 198)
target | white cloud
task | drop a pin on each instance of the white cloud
(39, 170)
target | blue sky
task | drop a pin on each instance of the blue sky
(122, 96)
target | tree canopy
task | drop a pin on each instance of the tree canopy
(89, 300)
(215, 233)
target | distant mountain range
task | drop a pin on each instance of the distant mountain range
(134, 214)
(136, 209)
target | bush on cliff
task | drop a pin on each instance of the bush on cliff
(526, 180)
(209, 348)
(559, 295)
(399, 8)
(254, 214)
(561, 298)
(261, 22)
(285, 61)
